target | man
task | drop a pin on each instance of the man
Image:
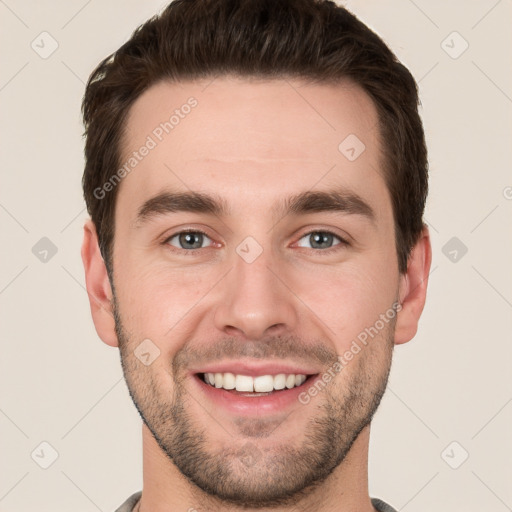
(256, 175)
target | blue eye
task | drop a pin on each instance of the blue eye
(188, 240)
(321, 240)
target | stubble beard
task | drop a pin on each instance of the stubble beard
(242, 473)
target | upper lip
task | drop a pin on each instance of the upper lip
(255, 369)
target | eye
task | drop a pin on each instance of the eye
(188, 239)
(194, 239)
(321, 240)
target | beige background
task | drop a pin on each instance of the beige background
(61, 385)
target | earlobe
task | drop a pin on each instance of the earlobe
(413, 289)
(98, 286)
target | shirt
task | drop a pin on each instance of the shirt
(130, 503)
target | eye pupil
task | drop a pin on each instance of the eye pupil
(189, 240)
(321, 239)
(195, 239)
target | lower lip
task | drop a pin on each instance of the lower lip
(255, 404)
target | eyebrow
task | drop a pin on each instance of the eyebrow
(168, 202)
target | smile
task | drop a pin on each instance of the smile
(263, 394)
(249, 384)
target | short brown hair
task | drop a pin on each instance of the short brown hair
(316, 40)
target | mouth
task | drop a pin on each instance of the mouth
(256, 394)
(260, 385)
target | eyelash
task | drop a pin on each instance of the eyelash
(190, 252)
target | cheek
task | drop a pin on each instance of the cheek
(155, 298)
(348, 300)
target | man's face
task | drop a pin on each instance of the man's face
(256, 289)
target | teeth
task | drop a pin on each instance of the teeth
(260, 384)
(244, 383)
(299, 379)
(280, 381)
(264, 383)
(229, 381)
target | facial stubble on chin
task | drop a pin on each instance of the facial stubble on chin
(241, 473)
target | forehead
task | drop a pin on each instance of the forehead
(250, 138)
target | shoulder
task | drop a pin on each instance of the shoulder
(381, 506)
(128, 505)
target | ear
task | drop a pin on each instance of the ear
(413, 289)
(98, 286)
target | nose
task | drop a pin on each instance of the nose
(256, 300)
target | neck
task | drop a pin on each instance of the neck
(165, 489)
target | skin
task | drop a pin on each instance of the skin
(255, 143)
